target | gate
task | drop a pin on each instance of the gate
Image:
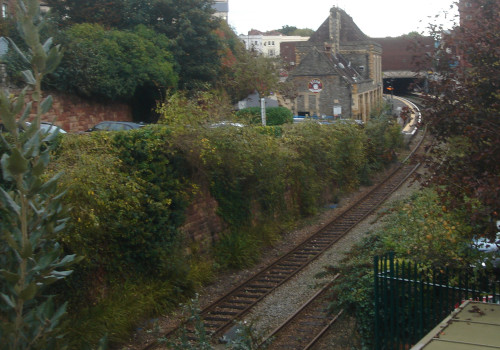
(410, 300)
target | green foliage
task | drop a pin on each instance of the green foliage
(114, 64)
(428, 232)
(384, 136)
(420, 229)
(200, 331)
(294, 31)
(181, 109)
(303, 32)
(354, 289)
(119, 312)
(243, 72)
(254, 72)
(191, 25)
(129, 191)
(329, 156)
(276, 131)
(274, 115)
(127, 203)
(31, 206)
(237, 250)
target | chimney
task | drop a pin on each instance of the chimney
(334, 28)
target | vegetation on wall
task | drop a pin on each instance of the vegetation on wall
(129, 192)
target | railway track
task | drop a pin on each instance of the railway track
(307, 325)
(221, 315)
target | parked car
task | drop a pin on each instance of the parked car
(115, 126)
(51, 128)
(47, 127)
(226, 123)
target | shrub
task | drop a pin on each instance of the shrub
(274, 115)
(127, 205)
(327, 157)
(419, 229)
(113, 64)
(384, 137)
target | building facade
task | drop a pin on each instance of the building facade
(269, 43)
(221, 8)
(337, 72)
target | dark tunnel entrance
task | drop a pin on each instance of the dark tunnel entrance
(403, 86)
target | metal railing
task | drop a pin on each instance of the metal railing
(410, 299)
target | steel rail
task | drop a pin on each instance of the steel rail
(313, 309)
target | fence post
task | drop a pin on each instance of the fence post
(377, 303)
(391, 301)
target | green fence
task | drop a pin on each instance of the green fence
(410, 300)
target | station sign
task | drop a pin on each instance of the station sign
(315, 85)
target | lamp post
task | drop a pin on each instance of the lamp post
(263, 110)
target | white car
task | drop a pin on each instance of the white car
(489, 248)
(51, 128)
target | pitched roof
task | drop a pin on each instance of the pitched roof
(349, 31)
(321, 63)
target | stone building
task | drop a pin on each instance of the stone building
(337, 72)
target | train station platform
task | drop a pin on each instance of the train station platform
(410, 125)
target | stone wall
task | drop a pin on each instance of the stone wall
(75, 114)
(202, 225)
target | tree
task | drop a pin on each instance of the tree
(287, 30)
(31, 208)
(108, 13)
(251, 72)
(114, 64)
(303, 32)
(290, 30)
(190, 25)
(462, 113)
(243, 72)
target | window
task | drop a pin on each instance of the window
(4, 10)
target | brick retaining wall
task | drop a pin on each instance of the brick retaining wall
(75, 114)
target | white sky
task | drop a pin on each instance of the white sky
(376, 18)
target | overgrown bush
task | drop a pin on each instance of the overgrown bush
(383, 138)
(129, 191)
(128, 201)
(419, 229)
(328, 157)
